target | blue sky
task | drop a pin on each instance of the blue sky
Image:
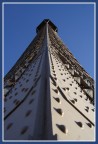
(75, 27)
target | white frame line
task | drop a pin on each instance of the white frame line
(60, 3)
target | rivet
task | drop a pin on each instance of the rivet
(59, 111)
(80, 124)
(57, 99)
(62, 128)
(9, 126)
(87, 110)
(89, 124)
(24, 129)
(55, 90)
(75, 99)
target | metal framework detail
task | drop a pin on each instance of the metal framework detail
(47, 94)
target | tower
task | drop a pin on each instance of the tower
(47, 94)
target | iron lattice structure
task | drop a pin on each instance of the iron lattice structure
(47, 93)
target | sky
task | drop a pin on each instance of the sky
(75, 27)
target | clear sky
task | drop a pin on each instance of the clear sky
(75, 27)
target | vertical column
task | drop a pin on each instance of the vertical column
(43, 122)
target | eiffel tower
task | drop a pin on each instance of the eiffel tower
(47, 94)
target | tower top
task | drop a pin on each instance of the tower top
(44, 22)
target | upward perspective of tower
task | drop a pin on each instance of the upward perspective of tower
(47, 94)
